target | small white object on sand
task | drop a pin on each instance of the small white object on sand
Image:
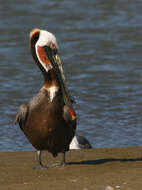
(79, 142)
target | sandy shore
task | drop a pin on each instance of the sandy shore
(95, 169)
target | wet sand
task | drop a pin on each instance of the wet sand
(94, 169)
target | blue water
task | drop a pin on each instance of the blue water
(100, 46)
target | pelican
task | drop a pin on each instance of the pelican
(48, 120)
(80, 142)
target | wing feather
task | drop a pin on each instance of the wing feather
(21, 116)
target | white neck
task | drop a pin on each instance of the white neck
(52, 92)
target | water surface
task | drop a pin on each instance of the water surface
(100, 46)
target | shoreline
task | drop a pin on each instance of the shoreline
(96, 169)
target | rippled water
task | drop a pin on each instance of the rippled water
(100, 46)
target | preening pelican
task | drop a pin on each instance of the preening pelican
(48, 120)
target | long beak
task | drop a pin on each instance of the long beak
(56, 63)
(65, 92)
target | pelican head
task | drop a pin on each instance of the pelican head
(44, 48)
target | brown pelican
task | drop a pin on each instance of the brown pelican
(48, 120)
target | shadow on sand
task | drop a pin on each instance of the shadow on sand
(102, 161)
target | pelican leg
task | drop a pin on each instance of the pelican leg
(39, 165)
(63, 161)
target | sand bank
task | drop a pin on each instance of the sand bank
(94, 169)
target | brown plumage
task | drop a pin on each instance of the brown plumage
(48, 120)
